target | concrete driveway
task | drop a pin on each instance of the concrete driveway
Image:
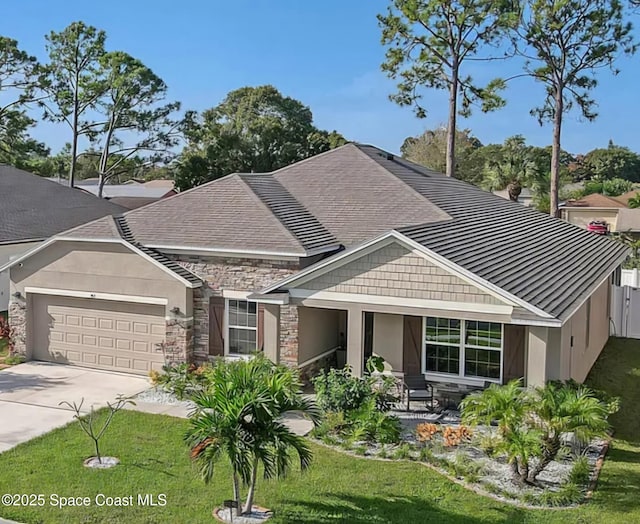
(30, 394)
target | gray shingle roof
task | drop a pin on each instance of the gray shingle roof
(353, 197)
(223, 214)
(32, 207)
(302, 224)
(544, 261)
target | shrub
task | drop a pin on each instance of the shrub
(339, 390)
(426, 431)
(403, 452)
(374, 426)
(489, 443)
(183, 380)
(7, 333)
(568, 494)
(580, 472)
(15, 359)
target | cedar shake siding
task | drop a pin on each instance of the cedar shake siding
(394, 271)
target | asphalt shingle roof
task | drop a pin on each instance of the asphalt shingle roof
(32, 207)
(545, 261)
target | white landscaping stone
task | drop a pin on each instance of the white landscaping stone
(103, 463)
(257, 516)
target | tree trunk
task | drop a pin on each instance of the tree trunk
(514, 188)
(252, 488)
(104, 160)
(550, 452)
(451, 126)
(74, 131)
(236, 492)
(555, 152)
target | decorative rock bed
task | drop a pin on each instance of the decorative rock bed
(103, 463)
(257, 516)
(158, 395)
(469, 465)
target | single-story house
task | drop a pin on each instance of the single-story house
(354, 248)
(614, 211)
(33, 209)
(525, 198)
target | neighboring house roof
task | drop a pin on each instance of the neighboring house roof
(628, 220)
(625, 197)
(160, 182)
(128, 190)
(132, 202)
(32, 207)
(596, 200)
(525, 197)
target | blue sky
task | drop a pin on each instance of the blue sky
(325, 53)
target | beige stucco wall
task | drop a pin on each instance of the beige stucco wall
(387, 339)
(99, 268)
(394, 271)
(318, 331)
(581, 216)
(550, 354)
(8, 252)
(587, 347)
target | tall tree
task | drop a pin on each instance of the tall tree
(429, 41)
(565, 42)
(254, 129)
(73, 80)
(136, 119)
(18, 88)
(430, 150)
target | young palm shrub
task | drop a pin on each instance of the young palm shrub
(239, 415)
(510, 407)
(558, 409)
(507, 405)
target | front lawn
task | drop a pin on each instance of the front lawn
(337, 488)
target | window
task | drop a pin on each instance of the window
(242, 326)
(469, 348)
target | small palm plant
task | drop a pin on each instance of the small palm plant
(510, 407)
(561, 409)
(239, 415)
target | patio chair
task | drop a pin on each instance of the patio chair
(415, 387)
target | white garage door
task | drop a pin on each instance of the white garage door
(102, 334)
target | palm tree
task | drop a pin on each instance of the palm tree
(511, 169)
(508, 405)
(239, 415)
(558, 409)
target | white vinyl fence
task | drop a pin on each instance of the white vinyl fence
(625, 311)
(630, 277)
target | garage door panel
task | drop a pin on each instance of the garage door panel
(97, 333)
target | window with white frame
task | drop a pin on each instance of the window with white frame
(242, 327)
(463, 348)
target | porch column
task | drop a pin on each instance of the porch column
(272, 332)
(537, 355)
(354, 340)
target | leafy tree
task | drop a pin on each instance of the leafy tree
(254, 129)
(610, 162)
(18, 87)
(73, 80)
(430, 150)
(429, 42)
(135, 118)
(613, 187)
(239, 416)
(565, 42)
(512, 168)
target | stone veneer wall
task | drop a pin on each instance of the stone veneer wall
(239, 275)
(179, 341)
(18, 321)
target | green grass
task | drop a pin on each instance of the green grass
(337, 489)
